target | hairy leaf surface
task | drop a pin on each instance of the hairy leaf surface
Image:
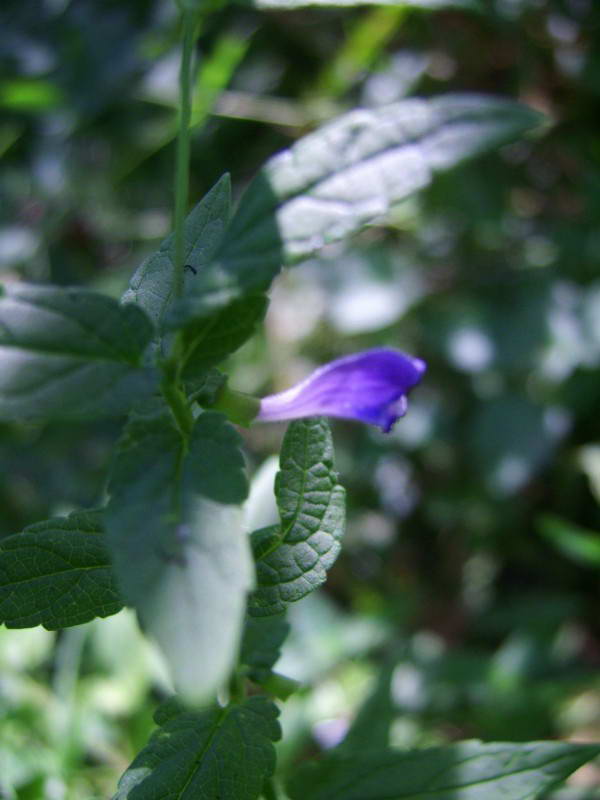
(465, 771)
(70, 354)
(151, 286)
(223, 753)
(176, 535)
(209, 341)
(293, 559)
(57, 573)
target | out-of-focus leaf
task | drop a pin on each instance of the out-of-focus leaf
(510, 438)
(346, 174)
(216, 70)
(370, 730)
(363, 44)
(175, 513)
(464, 771)
(70, 354)
(29, 94)
(589, 458)
(57, 573)
(578, 544)
(225, 753)
(293, 558)
(9, 134)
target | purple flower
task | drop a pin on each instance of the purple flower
(370, 387)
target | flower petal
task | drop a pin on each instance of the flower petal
(369, 387)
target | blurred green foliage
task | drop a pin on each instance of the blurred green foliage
(467, 592)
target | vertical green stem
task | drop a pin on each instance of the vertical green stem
(270, 791)
(188, 24)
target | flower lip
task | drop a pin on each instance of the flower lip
(371, 387)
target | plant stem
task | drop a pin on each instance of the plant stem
(269, 791)
(188, 24)
(179, 405)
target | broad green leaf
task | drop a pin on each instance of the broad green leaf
(57, 573)
(293, 558)
(343, 176)
(151, 286)
(464, 771)
(426, 5)
(175, 514)
(223, 753)
(208, 341)
(70, 354)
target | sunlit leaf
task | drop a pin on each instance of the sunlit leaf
(343, 176)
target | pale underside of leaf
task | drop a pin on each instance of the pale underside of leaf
(176, 514)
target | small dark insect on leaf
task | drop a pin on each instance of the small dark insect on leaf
(192, 269)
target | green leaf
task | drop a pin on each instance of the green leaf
(151, 286)
(57, 573)
(223, 753)
(579, 544)
(30, 95)
(206, 387)
(370, 730)
(70, 354)
(262, 640)
(343, 176)
(464, 771)
(208, 341)
(293, 559)
(175, 513)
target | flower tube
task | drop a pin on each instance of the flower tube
(370, 387)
